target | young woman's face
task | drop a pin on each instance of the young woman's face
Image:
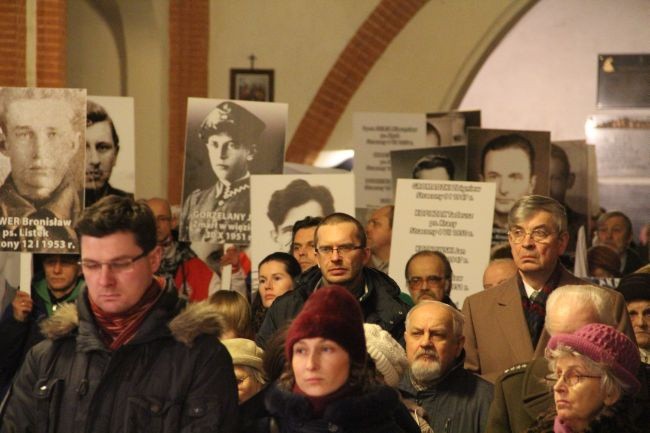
(320, 366)
(274, 281)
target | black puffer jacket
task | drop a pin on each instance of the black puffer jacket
(161, 381)
(378, 410)
(380, 303)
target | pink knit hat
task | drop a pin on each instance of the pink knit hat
(602, 343)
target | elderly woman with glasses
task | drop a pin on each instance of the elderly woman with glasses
(593, 377)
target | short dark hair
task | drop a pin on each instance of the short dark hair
(558, 153)
(304, 223)
(508, 141)
(291, 265)
(113, 214)
(95, 113)
(338, 218)
(432, 161)
(430, 253)
(297, 193)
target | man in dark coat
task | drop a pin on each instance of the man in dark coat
(455, 400)
(123, 359)
(342, 257)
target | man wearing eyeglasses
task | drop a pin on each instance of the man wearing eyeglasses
(342, 255)
(19, 327)
(123, 358)
(428, 276)
(505, 325)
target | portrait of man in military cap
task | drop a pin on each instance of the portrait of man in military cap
(229, 138)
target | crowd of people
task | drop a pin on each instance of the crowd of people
(144, 332)
(137, 333)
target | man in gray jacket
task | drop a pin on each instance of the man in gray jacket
(455, 400)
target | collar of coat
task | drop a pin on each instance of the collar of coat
(378, 401)
(184, 322)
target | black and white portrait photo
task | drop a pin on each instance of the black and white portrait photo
(110, 160)
(516, 161)
(41, 140)
(279, 201)
(226, 142)
(440, 163)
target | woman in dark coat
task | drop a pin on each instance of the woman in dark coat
(593, 374)
(325, 386)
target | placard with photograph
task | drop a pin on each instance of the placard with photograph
(279, 201)
(569, 179)
(110, 148)
(448, 217)
(516, 161)
(622, 143)
(226, 142)
(42, 143)
(449, 128)
(375, 135)
(440, 163)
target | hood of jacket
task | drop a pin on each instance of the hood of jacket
(169, 316)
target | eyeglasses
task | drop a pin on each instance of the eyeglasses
(540, 235)
(431, 280)
(115, 266)
(342, 250)
(570, 377)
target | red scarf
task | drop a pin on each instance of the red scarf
(118, 329)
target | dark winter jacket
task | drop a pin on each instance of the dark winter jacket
(381, 303)
(377, 410)
(173, 376)
(457, 403)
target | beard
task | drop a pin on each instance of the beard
(426, 370)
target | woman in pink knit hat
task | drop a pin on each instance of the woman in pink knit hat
(593, 376)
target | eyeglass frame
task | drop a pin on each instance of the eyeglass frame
(531, 234)
(347, 249)
(123, 267)
(572, 380)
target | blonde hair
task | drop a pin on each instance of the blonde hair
(236, 312)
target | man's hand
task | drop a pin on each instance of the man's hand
(22, 306)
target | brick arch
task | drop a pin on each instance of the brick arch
(359, 56)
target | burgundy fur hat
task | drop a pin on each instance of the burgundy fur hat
(333, 313)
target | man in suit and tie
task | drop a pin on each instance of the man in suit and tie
(504, 326)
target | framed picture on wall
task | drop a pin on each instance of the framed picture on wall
(251, 84)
